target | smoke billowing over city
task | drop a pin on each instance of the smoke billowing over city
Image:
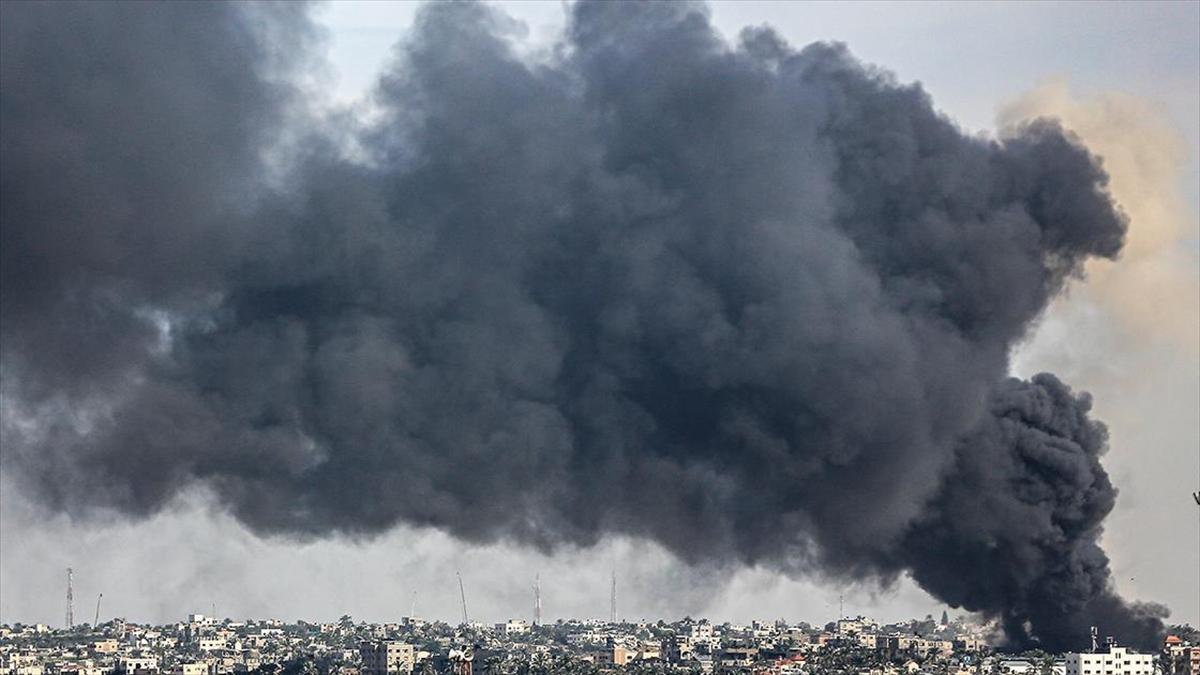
(753, 302)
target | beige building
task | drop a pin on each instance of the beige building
(512, 627)
(190, 669)
(386, 657)
(132, 664)
(613, 656)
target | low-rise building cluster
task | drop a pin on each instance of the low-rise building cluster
(202, 645)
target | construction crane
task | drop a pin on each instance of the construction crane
(96, 621)
(463, 594)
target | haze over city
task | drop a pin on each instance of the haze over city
(306, 309)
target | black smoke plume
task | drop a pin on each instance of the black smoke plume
(753, 303)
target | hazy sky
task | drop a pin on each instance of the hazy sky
(1126, 77)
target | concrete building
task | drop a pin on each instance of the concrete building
(132, 664)
(1184, 661)
(190, 669)
(512, 627)
(738, 657)
(612, 656)
(1113, 661)
(677, 649)
(105, 646)
(849, 626)
(1182, 658)
(386, 657)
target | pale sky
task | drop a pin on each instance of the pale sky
(978, 61)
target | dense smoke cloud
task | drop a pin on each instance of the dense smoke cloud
(752, 303)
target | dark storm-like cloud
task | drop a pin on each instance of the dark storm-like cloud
(753, 303)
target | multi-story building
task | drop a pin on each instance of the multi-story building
(1114, 661)
(512, 627)
(849, 626)
(132, 664)
(1182, 658)
(612, 656)
(386, 657)
(190, 669)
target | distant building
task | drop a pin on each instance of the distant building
(1182, 658)
(386, 657)
(612, 656)
(738, 657)
(211, 644)
(1114, 661)
(970, 644)
(190, 669)
(512, 627)
(677, 649)
(132, 664)
(849, 626)
(106, 646)
(1191, 660)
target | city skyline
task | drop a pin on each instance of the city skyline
(1086, 64)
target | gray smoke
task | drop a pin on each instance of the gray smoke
(753, 303)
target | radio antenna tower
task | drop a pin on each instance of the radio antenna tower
(463, 594)
(613, 600)
(537, 600)
(70, 599)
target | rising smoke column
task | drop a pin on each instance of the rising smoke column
(1014, 528)
(752, 303)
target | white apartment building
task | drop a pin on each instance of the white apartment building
(1115, 661)
(211, 644)
(512, 627)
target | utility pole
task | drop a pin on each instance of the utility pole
(70, 599)
(463, 594)
(96, 621)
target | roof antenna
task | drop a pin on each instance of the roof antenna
(463, 594)
(613, 600)
(537, 600)
(70, 599)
